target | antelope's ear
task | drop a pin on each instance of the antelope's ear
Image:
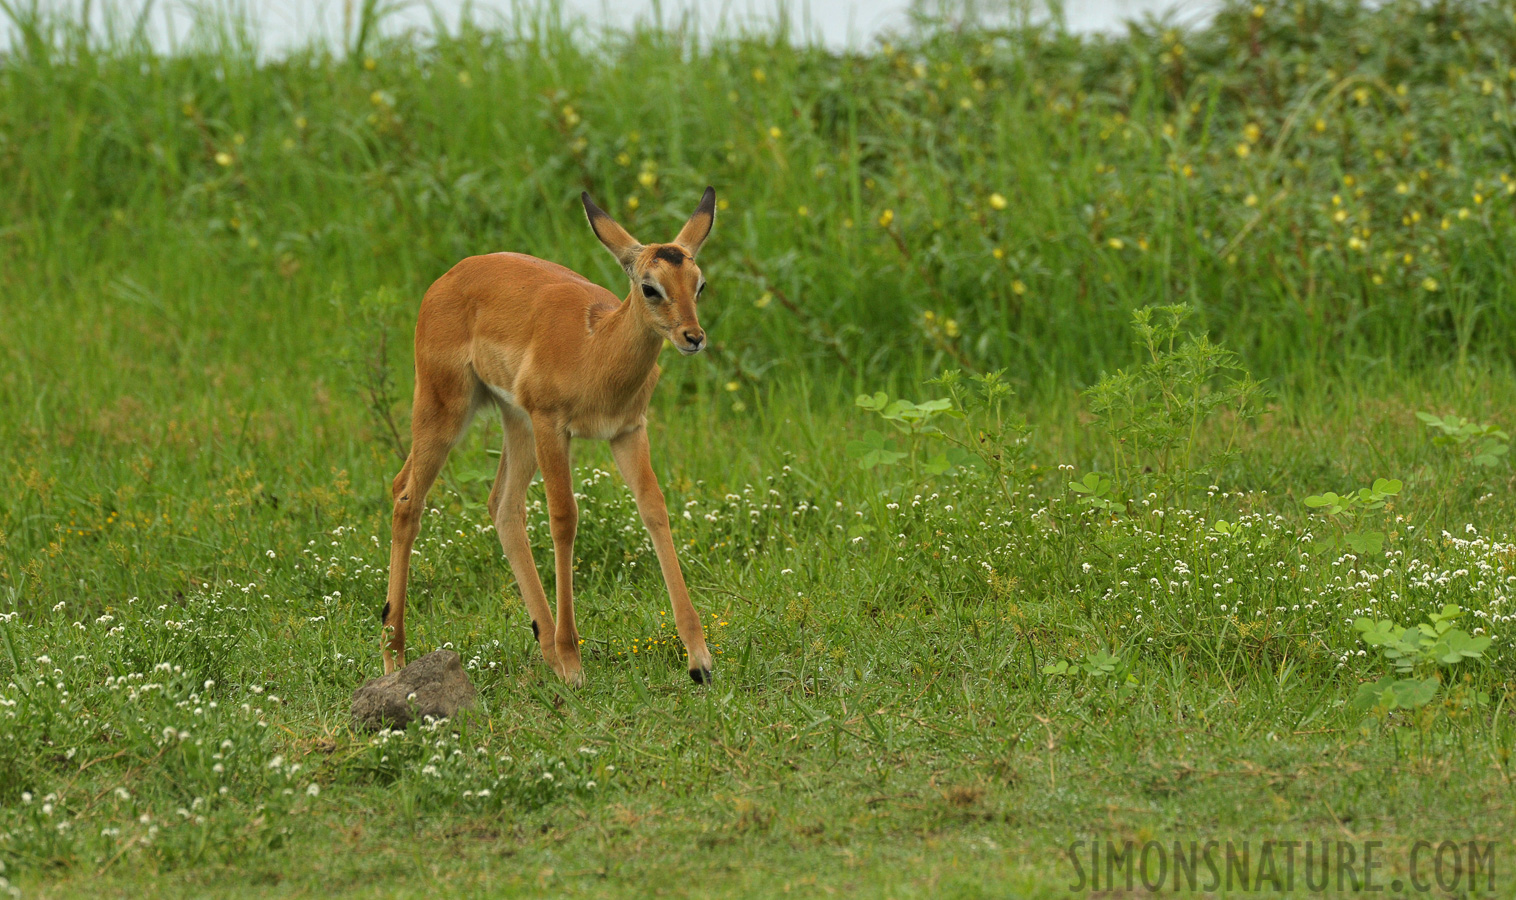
(698, 228)
(615, 238)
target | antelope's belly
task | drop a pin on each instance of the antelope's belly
(602, 428)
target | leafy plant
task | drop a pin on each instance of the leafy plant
(996, 437)
(873, 450)
(988, 434)
(914, 420)
(1095, 491)
(1153, 414)
(1485, 444)
(1345, 510)
(1418, 656)
(365, 355)
(1099, 664)
(1100, 667)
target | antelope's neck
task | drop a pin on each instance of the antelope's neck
(625, 346)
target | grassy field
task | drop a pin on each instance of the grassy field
(1103, 597)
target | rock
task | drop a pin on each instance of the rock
(434, 685)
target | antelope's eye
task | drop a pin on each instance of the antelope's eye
(700, 290)
(651, 292)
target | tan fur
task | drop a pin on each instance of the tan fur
(560, 357)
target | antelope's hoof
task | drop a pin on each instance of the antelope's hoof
(700, 675)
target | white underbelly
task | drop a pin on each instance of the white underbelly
(586, 428)
(598, 431)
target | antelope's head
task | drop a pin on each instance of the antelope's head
(665, 279)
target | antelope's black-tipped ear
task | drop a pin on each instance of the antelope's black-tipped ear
(698, 228)
(615, 238)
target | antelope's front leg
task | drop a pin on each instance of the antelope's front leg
(563, 522)
(635, 462)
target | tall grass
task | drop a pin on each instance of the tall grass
(1331, 185)
(209, 267)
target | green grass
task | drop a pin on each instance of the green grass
(210, 266)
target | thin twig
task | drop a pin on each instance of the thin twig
(829, 338)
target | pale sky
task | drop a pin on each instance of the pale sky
(837, 23)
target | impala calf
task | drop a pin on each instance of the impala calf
(561, 358)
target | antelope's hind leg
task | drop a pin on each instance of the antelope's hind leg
(553, 458)
(518, 463)
(443, 405)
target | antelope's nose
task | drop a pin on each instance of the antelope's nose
(694, 337)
